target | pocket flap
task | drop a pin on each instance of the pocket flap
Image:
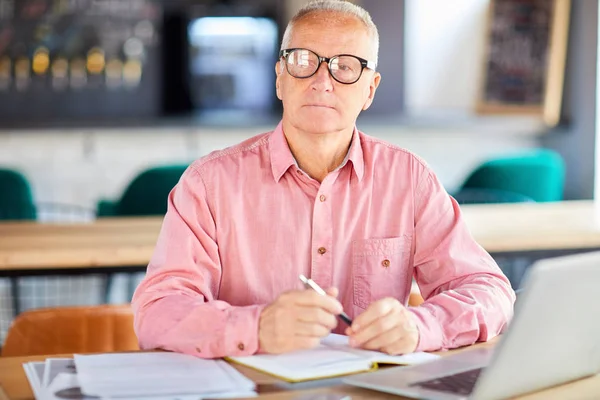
(384, 246)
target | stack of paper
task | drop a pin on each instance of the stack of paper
(53, 379)
(160, 373)
(151, 376)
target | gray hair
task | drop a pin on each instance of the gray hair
(342, 7)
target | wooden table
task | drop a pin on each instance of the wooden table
(29, 247)
(106, 246)
(124, 243)
(16, 386)
(537, 229)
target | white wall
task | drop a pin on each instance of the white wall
(444, 52)
(596, 193)
(576, 140)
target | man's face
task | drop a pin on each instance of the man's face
(319, 104)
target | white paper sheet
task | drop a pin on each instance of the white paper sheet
(55, 366)
(66, 386)
(35, 374)
(157, 374)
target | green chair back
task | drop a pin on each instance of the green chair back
(538, 175)
(16, 200)
(146, 194)
(482, 196)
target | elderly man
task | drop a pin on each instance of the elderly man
(359, 216)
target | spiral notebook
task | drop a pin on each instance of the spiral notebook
(334, 357)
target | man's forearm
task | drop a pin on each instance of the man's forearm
(476, 309)
(209, 330)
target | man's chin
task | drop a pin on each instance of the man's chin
(320, 125)
(321, 129)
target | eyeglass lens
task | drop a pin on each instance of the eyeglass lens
(302, 63)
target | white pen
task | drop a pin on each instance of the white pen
(310, 284)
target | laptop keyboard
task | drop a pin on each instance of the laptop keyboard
(461, 383)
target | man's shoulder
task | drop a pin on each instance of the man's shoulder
(394, 153)
(251, 146)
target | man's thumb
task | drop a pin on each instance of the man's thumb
(332, 291)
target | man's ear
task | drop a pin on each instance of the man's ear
(278, 73)
(372, 89)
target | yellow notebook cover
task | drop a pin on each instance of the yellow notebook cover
(333, 358)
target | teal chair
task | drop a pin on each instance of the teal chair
(530, 176)
(481, 196)
(16, 200)
(146, 194)
(536, 175)
(16, 203)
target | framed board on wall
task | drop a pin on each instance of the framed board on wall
(524, 60)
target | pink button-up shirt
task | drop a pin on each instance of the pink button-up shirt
(244, 222)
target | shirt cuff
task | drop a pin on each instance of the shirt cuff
(241, 333)
(431, 336)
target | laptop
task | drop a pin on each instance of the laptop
(553, 338)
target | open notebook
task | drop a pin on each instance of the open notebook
(334, 357)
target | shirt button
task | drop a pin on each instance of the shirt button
(322, 250)
(322, 197)
(241, 346)
(198, 350)
(385, 263)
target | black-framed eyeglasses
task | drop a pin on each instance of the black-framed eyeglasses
(344, 68)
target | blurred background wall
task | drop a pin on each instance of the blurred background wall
(431, 55)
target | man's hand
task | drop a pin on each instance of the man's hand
(386, 326)
(297, 320)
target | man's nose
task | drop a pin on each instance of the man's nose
(322, 80)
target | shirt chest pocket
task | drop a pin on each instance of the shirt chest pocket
(380, 268)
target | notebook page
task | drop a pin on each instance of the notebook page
(334, 357)
(156, 373)
(322, 361)
(341, 342)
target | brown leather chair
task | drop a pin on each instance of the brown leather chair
(57, 330)
(415, 298)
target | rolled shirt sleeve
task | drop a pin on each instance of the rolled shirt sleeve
(467, 297)
(175, 305)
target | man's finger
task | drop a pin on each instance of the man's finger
(405, 344)
(311, 330)
(379, 326)
(375, 311)
(310, 298)
(316, 315)
(306, 342)
(332, 291)
(383, 339)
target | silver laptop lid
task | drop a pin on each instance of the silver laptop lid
(554, 336)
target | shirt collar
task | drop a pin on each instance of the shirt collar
(282, 158)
